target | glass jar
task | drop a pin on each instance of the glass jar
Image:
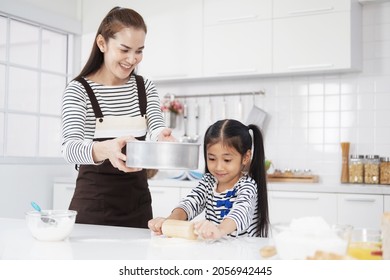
(371, 169)
(356, 169)
(384, 168)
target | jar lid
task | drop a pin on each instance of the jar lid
(372, 156)
(357, 156)
(385, 159)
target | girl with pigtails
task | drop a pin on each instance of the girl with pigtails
(233, 190)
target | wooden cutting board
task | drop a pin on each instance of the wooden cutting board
(298, 178)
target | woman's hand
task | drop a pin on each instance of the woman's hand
(112, 150)
(155, 225)
(166, 135)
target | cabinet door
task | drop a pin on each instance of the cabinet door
(360, 210)
(386, 202)
(288, 8)
(241, 48)
(164, 199)
(237, 37)
(228, 11)
(320, 42)
(173, 45)
(285, 206)
(62, 195)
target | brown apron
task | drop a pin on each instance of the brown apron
(105, 195)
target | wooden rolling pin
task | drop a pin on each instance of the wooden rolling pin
(181, 229)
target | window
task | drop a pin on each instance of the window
(34, 69)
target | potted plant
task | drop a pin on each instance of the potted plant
(171, 107)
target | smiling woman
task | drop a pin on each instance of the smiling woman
(104, 107)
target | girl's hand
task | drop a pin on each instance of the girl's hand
(166, 135)
(208, 230)
(155, 225)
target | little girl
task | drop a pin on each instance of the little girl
(235, 201)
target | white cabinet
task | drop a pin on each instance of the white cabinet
(360, 210)
(164, 199)
(316, 36)
(386, 202)
(237, 37)
(62, 195)
(173, 46)
(284, 206)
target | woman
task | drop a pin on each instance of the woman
(103, 107)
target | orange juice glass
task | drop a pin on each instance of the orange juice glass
(365, 244)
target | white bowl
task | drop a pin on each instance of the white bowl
(51, 225)
(298, 244)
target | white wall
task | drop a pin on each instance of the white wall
(309, 115)
(22, 181)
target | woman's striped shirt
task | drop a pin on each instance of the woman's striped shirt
(78, 118)
(241, 207)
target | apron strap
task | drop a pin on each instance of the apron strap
(92, 98)
(141, 94)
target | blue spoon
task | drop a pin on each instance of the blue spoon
(44, 219)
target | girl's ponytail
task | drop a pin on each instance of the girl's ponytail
(258, 173)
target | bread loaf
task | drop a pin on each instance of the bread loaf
(386, 235)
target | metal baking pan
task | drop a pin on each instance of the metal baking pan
(162, 155)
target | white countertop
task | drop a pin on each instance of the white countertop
(272, 186)
(119, 243)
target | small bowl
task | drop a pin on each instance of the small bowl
(51, 225)
(365, 244)
(299, 244)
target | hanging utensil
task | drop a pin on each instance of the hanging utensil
(240, 108)
(195, 138)
(185, 137)
(224, 108)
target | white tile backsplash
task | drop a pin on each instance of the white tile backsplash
(310, 115)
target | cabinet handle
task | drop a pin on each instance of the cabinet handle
(311, 11)
(239, 71)
(310, 66)
(296, 197)
(70, 188)
(360, 199)
(237, 18)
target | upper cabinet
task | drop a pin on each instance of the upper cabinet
(173, 46)
(237, 37)
(316, 36)
(224, 38)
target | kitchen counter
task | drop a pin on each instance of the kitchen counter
(294, 187)
(94, 242)
(272, 186)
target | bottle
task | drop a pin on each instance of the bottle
(371, 169)
(384, 167)
(356, 169)
(385, 227)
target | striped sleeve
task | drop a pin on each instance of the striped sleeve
(153, 111)
(195, 202)
(244, 210)
(76, 146)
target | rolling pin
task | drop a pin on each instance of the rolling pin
(181, 229)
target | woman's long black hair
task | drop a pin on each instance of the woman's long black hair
(235, 134)
(113, 22)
